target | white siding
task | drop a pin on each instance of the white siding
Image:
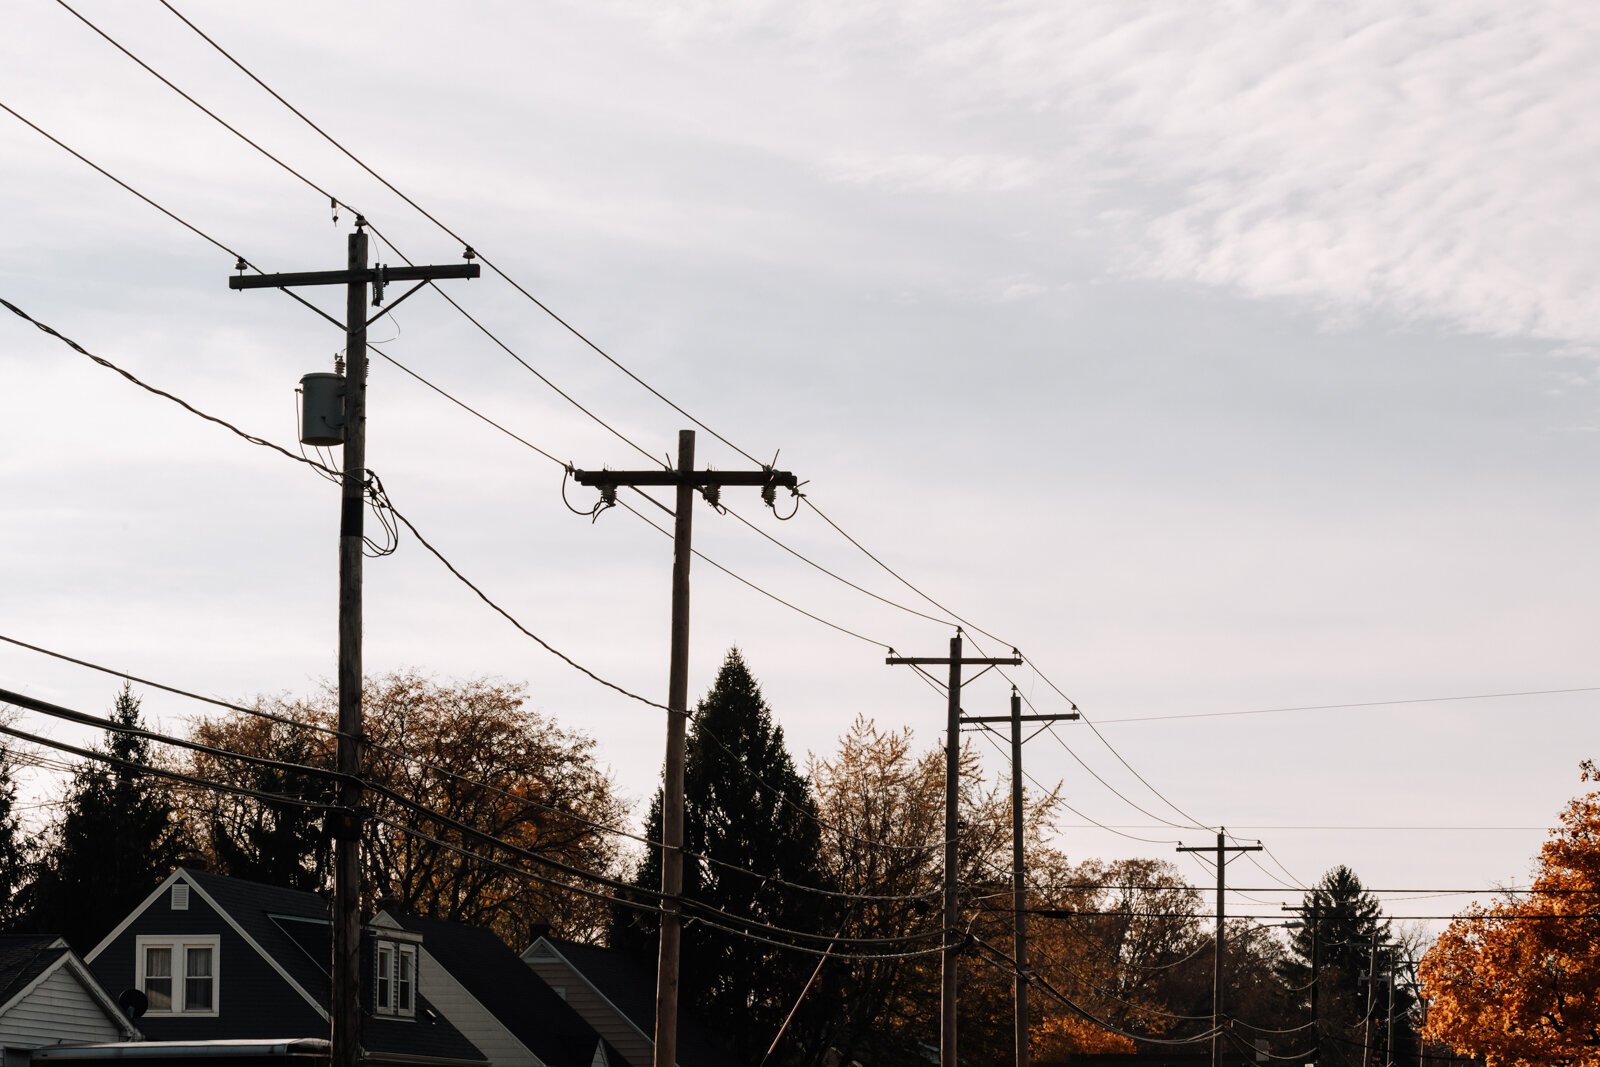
(479, 1025)
(58, 1009)
(593, 1008)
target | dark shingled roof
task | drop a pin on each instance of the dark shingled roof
(631, 986)
(292, 927)
(499, 980)
(24, 958)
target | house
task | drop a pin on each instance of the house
(495, 999)
(223, 960)
(616, 995)
(48, 997)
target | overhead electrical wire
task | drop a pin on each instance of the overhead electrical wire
(262, 442)
(1008, 964)
(79, 718)
(379, 789)
(1029, 777)
(1357, 704)
(416, 761)
(494, 338)
(400, 517)
(256, 712)
(163, 772)
(573, 330)
(577, 333)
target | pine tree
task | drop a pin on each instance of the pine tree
(115, 840)
(14, 866)
(746, 808)
(1353, 940)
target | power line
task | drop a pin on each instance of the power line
(212, 114)
(1087, 818)
(569, 327)
(79, 718)
(538, 303)
(414, 760)
(163, 772)
(257, 712)
(262, 442)
(1358, 704)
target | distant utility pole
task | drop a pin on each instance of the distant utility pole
(1372, 996)
(952, 764)
(686, 480)
(1019, 937)
(1312, 913)
(1221, 848)
(345, 1009)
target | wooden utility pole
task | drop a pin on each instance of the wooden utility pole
(1372, 980)
(1221, 848)
(1313, 913)
(345, 1009)
(686, 480)
(1019, 933)
(952, 766)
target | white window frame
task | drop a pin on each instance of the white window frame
(396, 952)
(179, 946)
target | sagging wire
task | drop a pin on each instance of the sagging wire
(607, 501)
(383, 511)
(769, 493)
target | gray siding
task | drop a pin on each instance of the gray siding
(595, 1009)
(58, 1009)
(472, 1018)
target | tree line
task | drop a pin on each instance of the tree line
(811, 895)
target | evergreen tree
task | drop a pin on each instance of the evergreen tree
(745, 806)
(1352, 941)
(115, 840)
(14, 866)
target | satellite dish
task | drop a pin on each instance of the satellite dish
(133, 1002)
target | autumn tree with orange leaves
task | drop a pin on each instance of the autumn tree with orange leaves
(1517, 984)
(471, 751)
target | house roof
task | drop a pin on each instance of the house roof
(25, 958)
(509, 989)
(292, 927)
(631, 988)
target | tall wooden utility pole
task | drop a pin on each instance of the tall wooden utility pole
(1221, 848)
(345, 1009)
(952, 766)
(686, 480)
(1019, 933)
(1313, 913)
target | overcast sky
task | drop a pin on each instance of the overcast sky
(1220, 357)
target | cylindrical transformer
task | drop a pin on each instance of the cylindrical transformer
(322, 409)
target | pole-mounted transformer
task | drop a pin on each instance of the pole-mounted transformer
(322, 409)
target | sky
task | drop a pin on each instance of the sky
(1221, 358)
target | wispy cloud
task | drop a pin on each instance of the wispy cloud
(926, 172)
(1421, 159)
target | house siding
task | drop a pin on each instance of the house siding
(595, 1009)
(58, 1009)
(472, 1018)
(253, 999)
